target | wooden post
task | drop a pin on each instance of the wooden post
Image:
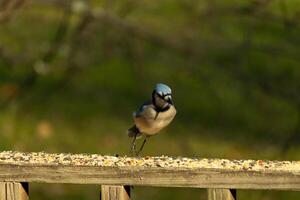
(13, 191)
(113, 192)
(221, 194)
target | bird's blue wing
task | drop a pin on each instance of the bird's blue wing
(142, 109)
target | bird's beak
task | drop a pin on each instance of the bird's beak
(170, 101)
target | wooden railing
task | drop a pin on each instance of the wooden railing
(116, 174)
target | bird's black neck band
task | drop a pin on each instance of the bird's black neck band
(156, 107)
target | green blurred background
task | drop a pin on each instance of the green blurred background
(72, 72)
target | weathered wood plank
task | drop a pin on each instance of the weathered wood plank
(13, 191)
(221, 194)
(115, 192)
(149, 171)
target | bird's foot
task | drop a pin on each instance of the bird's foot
(135, 153)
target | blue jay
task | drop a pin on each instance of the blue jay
(153, 115)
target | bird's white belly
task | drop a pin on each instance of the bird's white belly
(149, 125)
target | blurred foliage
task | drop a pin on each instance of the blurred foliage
(72, 72)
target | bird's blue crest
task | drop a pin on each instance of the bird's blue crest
(163, 88)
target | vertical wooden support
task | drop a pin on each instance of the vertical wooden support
(221, 194)
(14, 191)
(113, 192)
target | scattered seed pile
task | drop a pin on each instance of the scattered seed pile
(41, 158)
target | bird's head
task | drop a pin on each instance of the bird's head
(161, 97)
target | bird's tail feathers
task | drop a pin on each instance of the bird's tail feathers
(131, 132)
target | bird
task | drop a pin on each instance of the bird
(152, 116)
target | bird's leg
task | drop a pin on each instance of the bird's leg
(142, 146)
(133, 145)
